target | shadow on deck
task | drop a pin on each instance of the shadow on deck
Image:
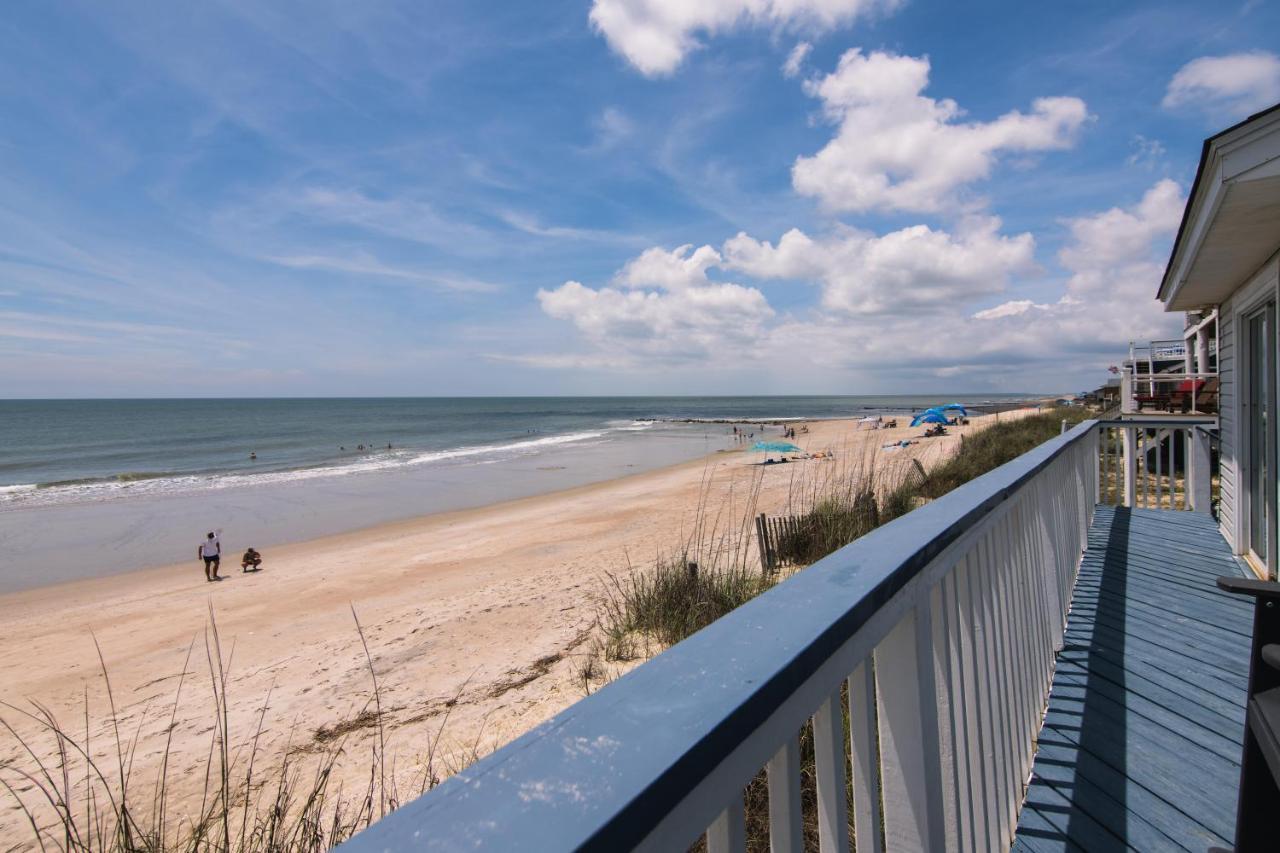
(1140, 747)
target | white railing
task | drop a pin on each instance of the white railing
(930, 640)
(1156, 464)
(1161, 391)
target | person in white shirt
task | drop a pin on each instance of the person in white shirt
(210, 551)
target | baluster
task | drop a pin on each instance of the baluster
(946, 702)
(1159, 470)
(996, 705)
(1007, 694)
(973, 817)
(866, 760)
(728, 833)
(828, 747)
(1024, 654)
(970, 822)
(982, 758)
(993, 771)
(1130, 465)
(1143, 441)
(909, 736)
(786, 829)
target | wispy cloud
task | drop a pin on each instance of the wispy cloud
(364, 264)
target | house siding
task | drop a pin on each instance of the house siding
(1259, 285)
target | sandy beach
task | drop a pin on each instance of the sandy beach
(489, 607)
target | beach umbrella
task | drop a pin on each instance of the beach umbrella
(929, 417)
(776, 447)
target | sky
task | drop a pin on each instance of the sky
(271, 198)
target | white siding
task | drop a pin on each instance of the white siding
(1228, 469)
(1260, 284)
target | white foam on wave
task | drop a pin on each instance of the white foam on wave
(630, 426)
(28, 495)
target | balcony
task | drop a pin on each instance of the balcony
(1038, 659)
(1173, 377)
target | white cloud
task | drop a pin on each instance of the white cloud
(612, 127)
(532, 225)
(795, 59)
(1227, 86)
(656, 35)
(1106, 246)
(364, 264)
(679, 269)
(1147, 153)
(905, 305)
(898, 149)
(916, 270)
(1115, 259)
(663, 308)
(1012, 308)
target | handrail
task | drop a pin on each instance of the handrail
(1141, 457)
(654, 757)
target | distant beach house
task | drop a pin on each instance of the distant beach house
(1056, 655)
(1224, 272)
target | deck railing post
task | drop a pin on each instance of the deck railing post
(1130, 464)
(1198, 486)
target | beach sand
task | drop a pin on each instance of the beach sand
(481, 613)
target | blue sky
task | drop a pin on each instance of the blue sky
(625, 196)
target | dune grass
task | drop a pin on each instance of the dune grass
(75, 797)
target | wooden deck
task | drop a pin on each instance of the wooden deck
(1140, 748)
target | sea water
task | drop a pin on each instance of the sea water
(93, 487)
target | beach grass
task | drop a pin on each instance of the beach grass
(75, 796)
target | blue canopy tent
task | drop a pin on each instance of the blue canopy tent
(929, 417)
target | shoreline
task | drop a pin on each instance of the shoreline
(299, 548)
(472, 616)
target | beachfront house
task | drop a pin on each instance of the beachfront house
(1056, 655)
(1225, 274)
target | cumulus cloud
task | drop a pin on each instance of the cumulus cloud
(898, 149)
(1115, 259)
(795, 59)
(662, 307)
(917, 269)
(1226, 86)
(679, 269)
(913, 304)
(656, 35)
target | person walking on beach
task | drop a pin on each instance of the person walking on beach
(210, 551)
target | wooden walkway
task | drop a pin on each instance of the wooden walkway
(1140, 748)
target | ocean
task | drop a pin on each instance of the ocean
(91, 487)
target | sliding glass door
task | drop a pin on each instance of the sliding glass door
(1259, 429)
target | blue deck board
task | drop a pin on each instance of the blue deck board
(1140, 748)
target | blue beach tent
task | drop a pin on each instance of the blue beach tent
(929, 417)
